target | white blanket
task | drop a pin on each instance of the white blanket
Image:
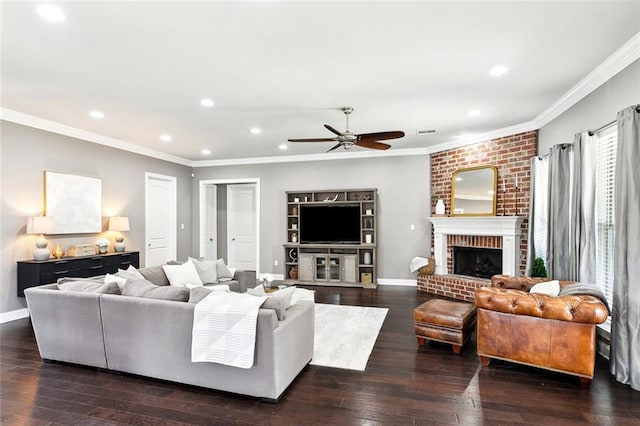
(417, 263)
(224, 328)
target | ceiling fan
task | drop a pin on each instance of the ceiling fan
(347, 139)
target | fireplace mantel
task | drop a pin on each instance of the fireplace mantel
(507, 227)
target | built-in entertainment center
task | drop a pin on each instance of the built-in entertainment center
(331, 237)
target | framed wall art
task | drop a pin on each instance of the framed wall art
(74, 202)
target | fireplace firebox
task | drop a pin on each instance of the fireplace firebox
(477, 261)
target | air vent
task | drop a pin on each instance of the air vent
(421, 132)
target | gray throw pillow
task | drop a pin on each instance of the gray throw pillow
(87, 286)
(146, 289)
(222, 271)
(206, 270)
(198, 293)
(279, 300)
(96, 279)
(155, 274)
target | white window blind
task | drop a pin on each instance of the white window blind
(605, 209)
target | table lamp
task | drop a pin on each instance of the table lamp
(119, 224)
(40, 225)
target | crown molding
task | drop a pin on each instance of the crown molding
(483, 137)
(62, 129)
(311, 157)
(619, 60)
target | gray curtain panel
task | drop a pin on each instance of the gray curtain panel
(625, 327)
(584, 198)
(562, 259)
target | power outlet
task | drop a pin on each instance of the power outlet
(412, 227)
(275, 262)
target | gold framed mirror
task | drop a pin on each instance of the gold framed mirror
(473, 191)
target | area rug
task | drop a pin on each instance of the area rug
(345, 335)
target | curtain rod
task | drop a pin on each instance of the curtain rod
(593, 132)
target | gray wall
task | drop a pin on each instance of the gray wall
(221, 225)
(26, 152)
(403, 191)
(595, 110)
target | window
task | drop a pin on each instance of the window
(605, 209)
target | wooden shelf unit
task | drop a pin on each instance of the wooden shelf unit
(352, 265)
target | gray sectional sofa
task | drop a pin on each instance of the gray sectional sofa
(152, 338)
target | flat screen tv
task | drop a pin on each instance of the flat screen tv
(329, 224)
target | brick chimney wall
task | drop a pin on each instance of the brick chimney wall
(511, 155)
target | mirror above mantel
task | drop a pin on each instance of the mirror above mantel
(473, 191)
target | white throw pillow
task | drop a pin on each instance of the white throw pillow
(184, 275)
(224, 274)
(301, 294)
(130, 273)
(109, 278)
(550, 288)
(206, 270)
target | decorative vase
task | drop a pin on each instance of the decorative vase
(293, 273)
(294, 238)
(440, 207)
(58, 251)
(367, 258)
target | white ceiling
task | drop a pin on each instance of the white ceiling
(287, 68)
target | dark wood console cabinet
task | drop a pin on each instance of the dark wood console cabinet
(32, 273)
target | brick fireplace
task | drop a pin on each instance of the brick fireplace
(511, 155)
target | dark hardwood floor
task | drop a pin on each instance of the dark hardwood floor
(403, 385)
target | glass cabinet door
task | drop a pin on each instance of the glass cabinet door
(334, 268)
(321, 268)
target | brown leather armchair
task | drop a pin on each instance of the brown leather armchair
(555, 333)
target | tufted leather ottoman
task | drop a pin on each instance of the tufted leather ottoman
(444, 321)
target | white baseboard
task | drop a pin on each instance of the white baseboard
(14, 315)
(398, 282)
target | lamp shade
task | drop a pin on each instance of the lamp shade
(119, 223)
(39, 225)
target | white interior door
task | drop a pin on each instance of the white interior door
(210, 234)
(160, 219)
(241, 226)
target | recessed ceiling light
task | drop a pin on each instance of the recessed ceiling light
(283, 146)
(206, 102)
(165, 138)
(498, 70)
(474, 113)
(206, 151)
(96, 114)
(51, 13)
(255, 131)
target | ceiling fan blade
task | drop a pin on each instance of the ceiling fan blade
(314, 140)
(332, 130)
(381, 136)
(372, 144)
(335, 147)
